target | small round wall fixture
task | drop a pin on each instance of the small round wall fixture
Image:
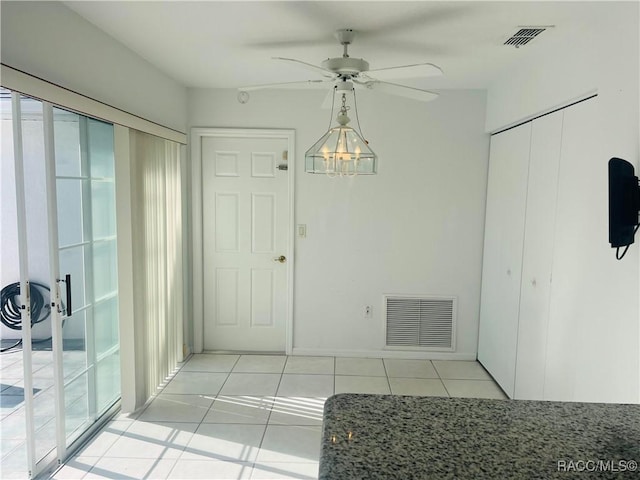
(243, 97)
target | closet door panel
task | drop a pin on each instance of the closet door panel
(503, 244)
(583, 337)
(544, 162)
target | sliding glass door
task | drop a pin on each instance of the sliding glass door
(88, 261)
(65, 258)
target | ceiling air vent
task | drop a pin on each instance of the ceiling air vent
(524, 36)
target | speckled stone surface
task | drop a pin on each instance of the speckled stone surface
(398, 437)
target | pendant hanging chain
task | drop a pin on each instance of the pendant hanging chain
(344, 108)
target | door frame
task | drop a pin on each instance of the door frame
(197, 133)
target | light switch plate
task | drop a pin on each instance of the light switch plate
(302, 230)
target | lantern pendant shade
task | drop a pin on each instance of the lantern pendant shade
(341, 151)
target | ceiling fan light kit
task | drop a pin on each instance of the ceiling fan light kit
(341, 151)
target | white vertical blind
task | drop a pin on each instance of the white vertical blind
(158, 270)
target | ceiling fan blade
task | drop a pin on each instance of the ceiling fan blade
(424, 15)
(400, 90)
(303, 83)
(417, 70)
(284, 44)
(418, 49)
(308, 66)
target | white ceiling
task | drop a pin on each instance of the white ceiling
(230, 44)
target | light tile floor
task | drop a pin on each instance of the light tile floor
(254, 416)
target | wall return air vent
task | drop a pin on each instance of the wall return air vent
(420, 323)
(524, 35)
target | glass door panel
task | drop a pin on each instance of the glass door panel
(106, 332)
(100, 139)
(105, 273)
(70, 224)
(76, 404)
(67, 144)
(74, 358)
(87, 251)
(39, 277)
(74, 256)
(105, 268)
(13, 430)
(108, 380)
(103, 200)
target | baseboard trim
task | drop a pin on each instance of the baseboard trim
(409, 355)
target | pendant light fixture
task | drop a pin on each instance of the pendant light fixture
(342, 151)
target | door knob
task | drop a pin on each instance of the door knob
(280, 259)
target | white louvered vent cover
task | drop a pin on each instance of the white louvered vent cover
(423, 322)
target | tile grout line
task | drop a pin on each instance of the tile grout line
(386, 374)
(223, 384)
(264, 432)
(207, 412)
(335, 361)
(440, 378)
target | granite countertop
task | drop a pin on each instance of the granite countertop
(372, 437)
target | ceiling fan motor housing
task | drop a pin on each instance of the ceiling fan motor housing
(345, 35)
(346, 65)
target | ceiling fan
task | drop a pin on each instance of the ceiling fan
(346, 73)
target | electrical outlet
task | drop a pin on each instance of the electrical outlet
(367, 311)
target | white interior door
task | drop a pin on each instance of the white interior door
(245, 230)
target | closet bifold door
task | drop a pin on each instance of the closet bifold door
(588, 336)
(502, 260)
(537, 258)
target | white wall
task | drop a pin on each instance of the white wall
(603, 60)
(50, 41)
(607, 61)
(9, 266)
(415, 228)
(35, 207)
